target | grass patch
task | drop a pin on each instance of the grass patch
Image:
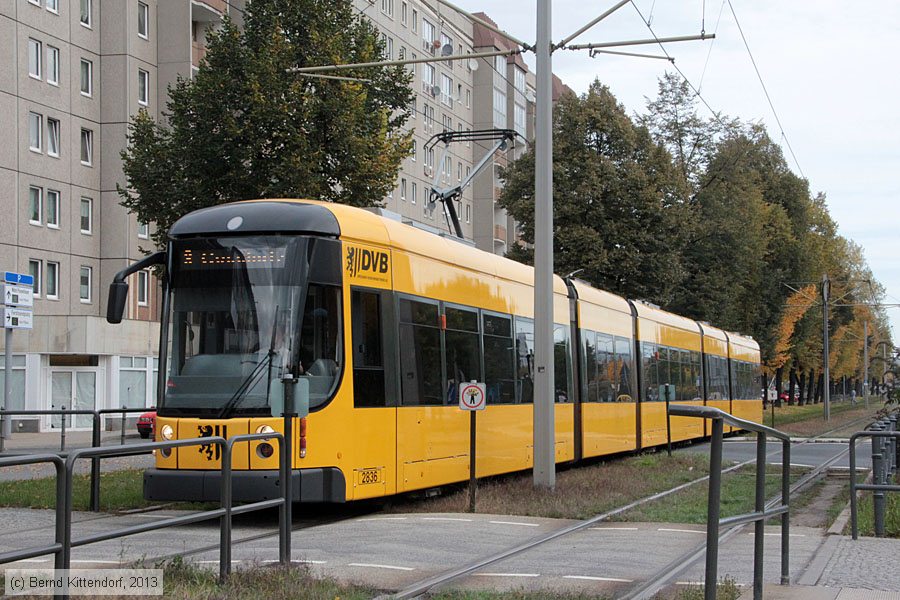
(119, 490)
(866, 514)
(580, 493)
(808, 420)
(689, 505)
(726, 589)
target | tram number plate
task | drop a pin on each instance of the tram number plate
(367, 476)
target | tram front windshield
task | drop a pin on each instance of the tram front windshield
(245, 313)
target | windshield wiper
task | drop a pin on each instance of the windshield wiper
(250, 380)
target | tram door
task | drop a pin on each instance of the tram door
(75, 390)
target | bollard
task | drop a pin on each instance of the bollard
(122, 437)
(878, 479)
(62, 433)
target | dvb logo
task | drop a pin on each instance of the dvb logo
(360, 260)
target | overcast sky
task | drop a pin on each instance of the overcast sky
(829, 67)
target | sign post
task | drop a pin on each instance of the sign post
(472, 398)
(17, 294)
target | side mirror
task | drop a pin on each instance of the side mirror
(115, 307)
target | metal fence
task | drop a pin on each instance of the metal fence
(760, 514)
(96, 442)
(884, 464)
(64, 540)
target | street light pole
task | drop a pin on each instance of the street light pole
(544, 443)
(826, 391)
(865, 389)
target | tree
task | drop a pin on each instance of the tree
(245, 126)
(618, 203)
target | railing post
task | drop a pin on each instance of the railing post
(284, 524)
(759, 525)
(225, 521)
(854, 528)
(124, 416)
(712, 519)
(62, 433)
(668, 424)
(95, 462)
(287, 480)
(878, 479)
(785, 516)
(2, 425)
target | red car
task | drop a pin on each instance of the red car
(146, 424)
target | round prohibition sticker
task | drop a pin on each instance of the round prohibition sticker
(472, 396)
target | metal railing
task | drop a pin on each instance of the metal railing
(96, 439)
(884, 463)
(761, 512)
(65, 541)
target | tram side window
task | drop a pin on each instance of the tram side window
(368, 350)
(562, 364)
(499, 359)
(524, 360)
(589, 365)
(606, 368)
(420, 353)
(650, 369)
(717, 378)
(321, 351)
(463, 350)
(624, 367)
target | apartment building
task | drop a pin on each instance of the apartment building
(76, 71)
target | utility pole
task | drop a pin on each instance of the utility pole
(865, 389)
(544, 441)
(826, 388)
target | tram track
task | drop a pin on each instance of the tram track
(642, 590)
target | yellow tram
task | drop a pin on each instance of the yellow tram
(382, 322)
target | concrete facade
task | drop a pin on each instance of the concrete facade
(76, 71)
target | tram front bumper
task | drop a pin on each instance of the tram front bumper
(309, 485)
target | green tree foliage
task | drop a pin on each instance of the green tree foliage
(245, 126)
(618, 202)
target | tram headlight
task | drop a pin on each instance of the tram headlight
(166, 432)
(264, 429)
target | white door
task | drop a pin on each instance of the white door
(75, 390)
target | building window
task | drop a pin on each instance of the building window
(133, 381)
(499, 108)
(143, 87)
(35, 131)
(87, 147)
(53, 6)
(85, 17)
(35, 204)
(387, 7)
(468, 98)
(428, 75)
(84, 286)
(53, 137)
(34, 58)
(87, 77)
(143, 288)
(403, 189)
(35, 2)
(143, 231)
(17, 381)
(415, 20)
(87, 217)
(428, 35)
(143, 20)
(500, 65)
(468, 212)
(413, 192)
(52, 65)
(52, 280)
(34, 269)
(519, 79)
(414, 144)
(404, 8)
(53, 209)
(519, 119)
(446, 90)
